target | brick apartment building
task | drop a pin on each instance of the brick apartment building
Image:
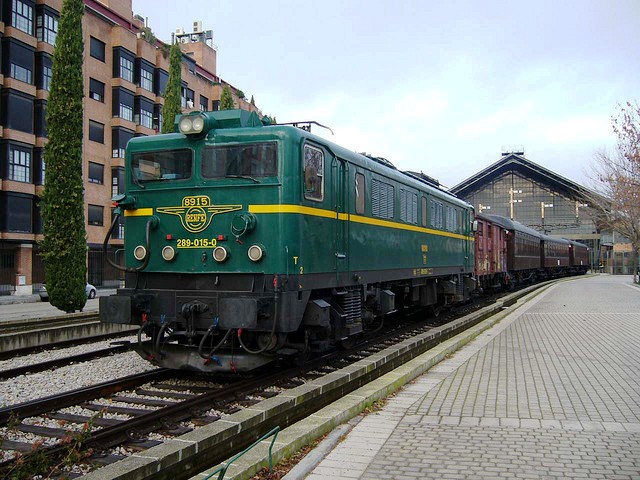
(124, 79)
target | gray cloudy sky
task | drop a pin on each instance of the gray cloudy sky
(434, 86)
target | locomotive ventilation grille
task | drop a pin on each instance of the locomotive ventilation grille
(351, 304)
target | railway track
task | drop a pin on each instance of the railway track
(64, 361)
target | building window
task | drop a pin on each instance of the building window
(16, 212)
(144, 112)
(96, 131)
(146, 80)
(38, 166)
(117, 181)
(204, 103)
(157, 117)
(119, 139)
(95, 216)
(126, 69)
(21, 73)
(19, 57)
(96, 90)
(161, 78)
(43, 71)
(313, 173)
(40, 118)
(146, 118)
(19, 164)
(22, 16)
(47, 27)
(47, 73)
(97, 49)
(16, 111)
(191, 95)
(123, 103)
(96, 173)
(126, 112)
(118, 232)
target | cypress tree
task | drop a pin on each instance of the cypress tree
(226, 99)
(172, 92)
(65, 246)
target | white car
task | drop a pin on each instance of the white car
(89, 289)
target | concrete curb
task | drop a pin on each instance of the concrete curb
(293, 438)
(314, 457)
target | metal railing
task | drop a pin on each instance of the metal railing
(222, 470)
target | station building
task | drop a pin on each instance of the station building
(522, 190)
(125, 74)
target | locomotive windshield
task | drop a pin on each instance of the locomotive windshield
(162, 165)
(244, 161)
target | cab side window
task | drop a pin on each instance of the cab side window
(360, 192)
(313, 173)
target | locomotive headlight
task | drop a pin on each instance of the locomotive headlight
(185, 125)
(220, 254)
(168, 253)
(191, 124)
(256, 252)
(139, 253)
(197, 124)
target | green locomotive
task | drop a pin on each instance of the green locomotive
(248, 242)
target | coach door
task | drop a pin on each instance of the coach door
(340, 199)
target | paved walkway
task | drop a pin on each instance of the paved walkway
(29, 306)
(552, 391)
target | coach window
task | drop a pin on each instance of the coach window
(423, 217)
(313, 173)
(360, 193)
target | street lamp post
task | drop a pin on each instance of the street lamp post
(512, 201)
(482, 207)
(542, 207)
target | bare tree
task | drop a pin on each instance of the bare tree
(617, 176)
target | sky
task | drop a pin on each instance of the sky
(442, 87)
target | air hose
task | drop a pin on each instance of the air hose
(151, 223)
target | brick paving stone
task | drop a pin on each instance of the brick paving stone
(552, 391)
